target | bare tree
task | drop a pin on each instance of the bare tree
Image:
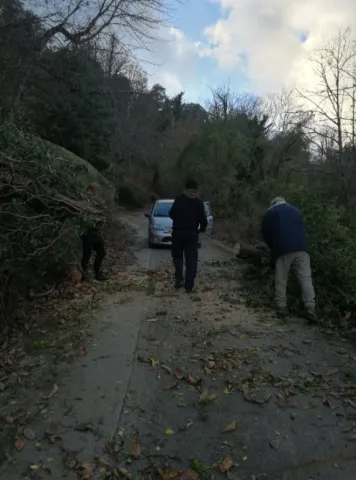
(226, 104)
(84, 21)
(332, 104)
(285, 112)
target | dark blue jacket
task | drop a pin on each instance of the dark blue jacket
(283, 230)
(188, 214)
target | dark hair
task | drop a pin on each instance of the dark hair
(191, 184)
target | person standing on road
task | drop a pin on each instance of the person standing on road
(189, 218)
(92, 238)
(284, 233)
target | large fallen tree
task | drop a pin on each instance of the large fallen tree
(257, 254)
(42, 212)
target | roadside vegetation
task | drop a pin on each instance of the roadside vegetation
(76, 106)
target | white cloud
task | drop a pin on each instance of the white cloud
(262, 38)
(171, 61)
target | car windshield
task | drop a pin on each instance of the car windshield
(162, 209)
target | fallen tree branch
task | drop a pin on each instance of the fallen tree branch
(257, 254)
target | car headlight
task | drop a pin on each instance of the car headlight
(158, 227)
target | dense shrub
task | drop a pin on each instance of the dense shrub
(130, 195)
(332, 241)
(41, 215)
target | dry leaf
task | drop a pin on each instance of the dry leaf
(103, 462)
(83, 351)
(169, 431)
(324, 372)
(326, 400)
(20, 443)
(226, 464)
(230, 428)
(154, 362)
(177, 372)
(85, 471)
(176, 474)
(29, 434)
(206, 397)
(192, 381)
(53, 392)
(136, 449)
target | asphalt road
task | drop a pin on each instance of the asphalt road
(166, 373)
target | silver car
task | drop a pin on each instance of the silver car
(160, 225)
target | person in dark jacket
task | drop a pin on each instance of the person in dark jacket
(284, 233)
(189, 218)
(92, 238)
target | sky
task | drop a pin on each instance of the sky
(258, 46)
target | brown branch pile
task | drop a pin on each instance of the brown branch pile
(40, 217)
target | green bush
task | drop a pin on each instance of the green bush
(332, 241)
(40, 217)
(130, 195)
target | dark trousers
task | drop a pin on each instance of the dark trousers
(93, 241)
(185, 244)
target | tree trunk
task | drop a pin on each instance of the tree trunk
(257, 254)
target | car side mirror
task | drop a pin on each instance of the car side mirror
(147, 215)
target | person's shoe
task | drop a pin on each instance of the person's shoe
(179, 284)
(99, 277)
(189, 291)
(282, 312)
(312, 317)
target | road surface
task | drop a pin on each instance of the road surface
(178, 386)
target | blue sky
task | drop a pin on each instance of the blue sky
(258, 46)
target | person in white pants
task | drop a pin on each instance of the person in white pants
(284, 232)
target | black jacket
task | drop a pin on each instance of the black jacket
(188, 213)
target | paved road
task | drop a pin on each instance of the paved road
(166, 373)
(154, 258)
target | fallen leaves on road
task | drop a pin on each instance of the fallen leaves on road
(326, 400)
(154, 362)
(29, 434)
(169, 431)
(207, 397)
(251, 397)
(55, 390)
(84, 427)
(103, 462)
(178, 373)
(85, 471)
(226, 464)
(70, 461)
(231, 427)
(20, 443)
(324, 372)
(83, 351)
(176, 474)
(136, 448)
(193, 381)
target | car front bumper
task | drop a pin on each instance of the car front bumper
(163, 238)
(160, 238)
